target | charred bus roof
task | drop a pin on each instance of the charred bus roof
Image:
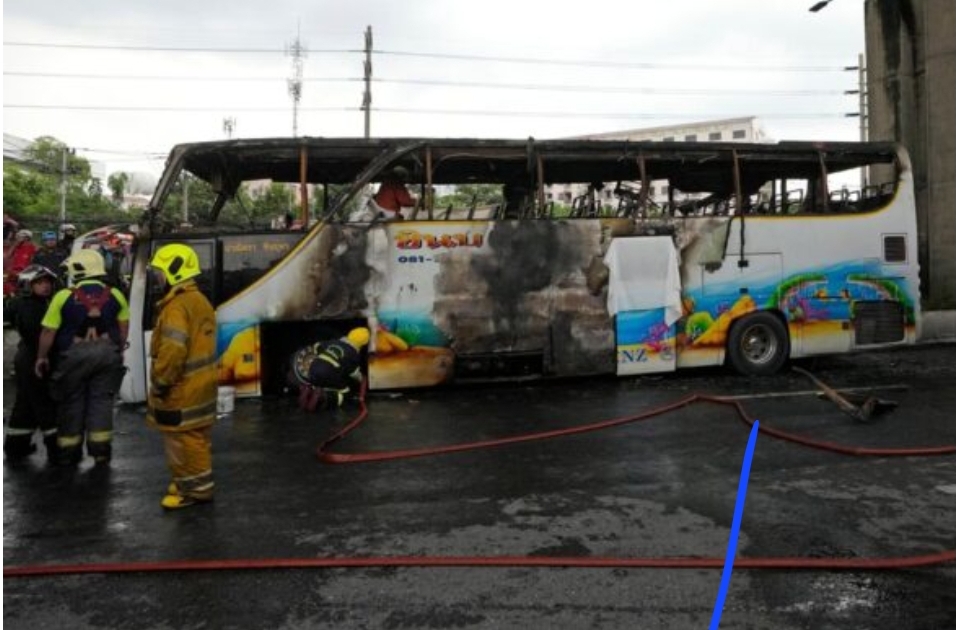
(341, 160)
(691, 166)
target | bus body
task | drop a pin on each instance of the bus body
(757, 253)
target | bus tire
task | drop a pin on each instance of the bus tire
(758, 344)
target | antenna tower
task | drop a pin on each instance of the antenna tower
(298, 51)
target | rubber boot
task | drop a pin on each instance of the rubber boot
(18, 447)
(69, 456)
(178, 501)
(52, 449)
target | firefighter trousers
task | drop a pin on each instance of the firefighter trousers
(84, 386)
(189, 457)
(33, 409)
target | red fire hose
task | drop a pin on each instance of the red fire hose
(778, 563)
(354, 458)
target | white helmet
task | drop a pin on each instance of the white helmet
(85, 264)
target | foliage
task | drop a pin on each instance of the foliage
(275, 201)
(117, 183)
(468, 195)
(32, 189)
(242, 211)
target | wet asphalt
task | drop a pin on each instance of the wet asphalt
(664, 487)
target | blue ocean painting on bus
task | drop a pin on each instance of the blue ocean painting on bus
(644, 337)
(415, 328)
(817, 302)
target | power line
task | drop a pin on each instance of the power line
(529, 114)
(609, 89)
(147, 154)
(169, 48)
(401, 110)
(158, 77)
(459, 57)
(545, 87)
(612, 64)
(155, 108)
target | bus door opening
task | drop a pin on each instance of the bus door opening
(279, 340)
(644, 298)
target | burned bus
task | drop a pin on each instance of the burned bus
(598, 257)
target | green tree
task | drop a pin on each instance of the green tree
(466, 195)
(27, 192)
(117, 183)
(49, 155)
(239, 212)
(32, 187)
(274, 201)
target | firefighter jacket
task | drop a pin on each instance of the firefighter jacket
(89, 310)
(27, 312)
(183, 379)
(327, 364)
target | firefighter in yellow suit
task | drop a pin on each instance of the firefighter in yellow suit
(183, 379)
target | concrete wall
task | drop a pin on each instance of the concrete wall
(911, 77)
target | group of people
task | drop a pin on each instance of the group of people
(19, 252)
(69, 367)
(68, 362)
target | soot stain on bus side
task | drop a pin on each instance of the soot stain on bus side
(526, 292)
(337, 274)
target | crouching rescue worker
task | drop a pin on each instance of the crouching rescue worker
(183, 378)
(329, 370)
(33, 408)
(86, 326)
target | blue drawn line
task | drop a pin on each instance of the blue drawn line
(735, 528)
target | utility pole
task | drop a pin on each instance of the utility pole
(185, 197)
(862, 112)
(297, 51)
(64, 151)
(367, 97)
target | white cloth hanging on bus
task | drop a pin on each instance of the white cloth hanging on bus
(644, 274)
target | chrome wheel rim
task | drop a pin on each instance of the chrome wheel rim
(758, 344)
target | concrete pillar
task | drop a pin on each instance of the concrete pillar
(911, 76)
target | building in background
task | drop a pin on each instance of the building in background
(14, 148)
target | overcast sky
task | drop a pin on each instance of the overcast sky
(551, 69)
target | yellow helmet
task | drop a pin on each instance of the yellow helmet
(84, 264)
(358, 337)
(178, 262)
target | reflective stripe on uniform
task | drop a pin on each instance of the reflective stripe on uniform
(67, 441)
(329, 360)
(197, 364)
(12, 431)
(101, 436)
(175, 335)
(198, 412)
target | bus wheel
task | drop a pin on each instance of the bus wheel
(758, 344)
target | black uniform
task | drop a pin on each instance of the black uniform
(331, 367)
(33, 408)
